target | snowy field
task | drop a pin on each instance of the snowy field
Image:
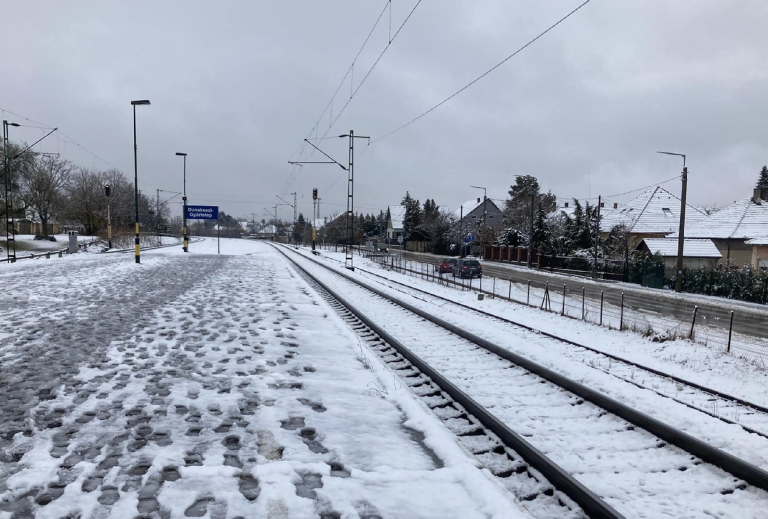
(206, 385)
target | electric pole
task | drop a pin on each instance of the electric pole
(597, 235)
(348, 262)
(295, 241)
(314, 216)
(681, 231)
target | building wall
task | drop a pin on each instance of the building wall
(760, 252)
(734, 249)
(670, 264)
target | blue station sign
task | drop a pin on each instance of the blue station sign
(202, 212)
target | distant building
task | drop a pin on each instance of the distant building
(697, 253)
(654, 213)
(737, 230)
(470, 214)
(396, 215)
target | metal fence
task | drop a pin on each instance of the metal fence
(710, 329)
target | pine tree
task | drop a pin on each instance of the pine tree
(762, 183)
(413, 215)
(541, 231)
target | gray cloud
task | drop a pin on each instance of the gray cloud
(237, 85)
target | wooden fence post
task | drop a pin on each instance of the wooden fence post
(583, 301)
(528, 301)
(562, 312)
(601, 308)
(494, 287)
(730, 332)
(693, 322)
(621, 319)
(509, 296)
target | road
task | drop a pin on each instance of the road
(749, 319)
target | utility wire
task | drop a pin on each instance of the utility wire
(352, 95)
(518, 51)
(349, 70)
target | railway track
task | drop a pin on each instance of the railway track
(727, 408)
(113, 251)
(576, 438)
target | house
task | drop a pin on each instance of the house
(759, 252)
(470, 214)
(396, 215)
(736, 230)
(654, 213)
(697, 253)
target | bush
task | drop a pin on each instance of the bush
(743, 283)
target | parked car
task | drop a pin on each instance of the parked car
(382, 248)
(445, 265)
(468, 268)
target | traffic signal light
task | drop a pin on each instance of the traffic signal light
(106, 190)
(314, 193)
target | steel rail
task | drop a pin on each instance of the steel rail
(713, 392)
(592, 504)
(736, 466)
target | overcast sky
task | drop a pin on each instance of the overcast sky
(238, 85)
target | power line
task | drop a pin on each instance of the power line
(518, 51)
(353, 93)
(349, 69)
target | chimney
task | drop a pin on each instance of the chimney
(602, 204)
(757, 195)
(566, 205)
(615, 205)
(478, 199)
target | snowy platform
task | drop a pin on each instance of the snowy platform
(210, 386)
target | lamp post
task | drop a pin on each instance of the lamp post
(185, 247)
(681, 231)
(10, 234)
(137, 250)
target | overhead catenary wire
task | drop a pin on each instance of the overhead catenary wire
(356, 90)
(518, 51)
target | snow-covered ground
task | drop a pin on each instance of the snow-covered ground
(27, 242)
(644, 480)
(710, 367)
(209, 385)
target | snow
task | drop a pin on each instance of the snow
(396, 215)
(579, 437)
(742, 219)
(218, 385)
(693, 248)
(654, 211)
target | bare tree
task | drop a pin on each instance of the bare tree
(41, 187)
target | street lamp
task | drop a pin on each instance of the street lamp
(184, 198)
(136, 179)
(681, 231)
(10, 235)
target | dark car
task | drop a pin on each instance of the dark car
(382, 248)
(468, 268)
(445, 265)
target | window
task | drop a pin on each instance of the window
(491, 216)
(666, 210)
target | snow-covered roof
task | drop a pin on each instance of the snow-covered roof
(743, 219)
(655, 210)
(692, 248)
(763, 240)
(467, 207)
(397, 214)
